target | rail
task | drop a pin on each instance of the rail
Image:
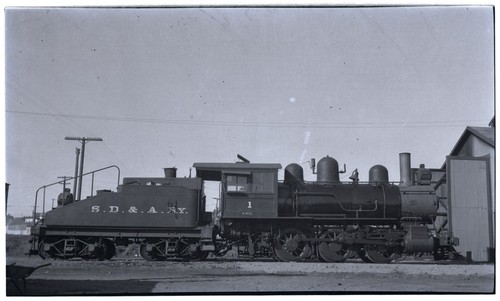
(44, 187)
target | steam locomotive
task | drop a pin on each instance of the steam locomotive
(259, 216)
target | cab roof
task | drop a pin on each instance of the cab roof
(214, 171)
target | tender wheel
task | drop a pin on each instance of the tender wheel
(153, 255)
(148, 255)
(54, 252)
(111, 249)
(41, 250)
(101, 251)
(332, 251)
(199, 256)
(290, 245)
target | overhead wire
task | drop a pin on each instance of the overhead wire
(403, 124)
(28, 94)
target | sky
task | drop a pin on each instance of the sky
(174, 86)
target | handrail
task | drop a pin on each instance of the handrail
(67, 179)
(392, 183)
(329, 194)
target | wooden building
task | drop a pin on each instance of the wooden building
(469, 184)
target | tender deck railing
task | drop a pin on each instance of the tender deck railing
(44, 187)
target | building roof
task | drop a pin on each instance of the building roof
(485, 134)
(492, 122)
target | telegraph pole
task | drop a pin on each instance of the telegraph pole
(7, 185)
(83, 141)
(76, 172)
(65, 178)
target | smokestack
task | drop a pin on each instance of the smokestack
(405, 168)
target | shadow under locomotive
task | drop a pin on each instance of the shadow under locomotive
(258, 216)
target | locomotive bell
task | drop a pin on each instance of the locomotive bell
(294, 173)
(378, 174)
(312, 164)
(328, 170)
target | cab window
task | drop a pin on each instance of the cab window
(263, 182)
(237, 183)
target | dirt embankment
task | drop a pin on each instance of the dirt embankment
(17, 245)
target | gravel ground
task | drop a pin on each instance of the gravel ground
(135, 276)
(138, 268)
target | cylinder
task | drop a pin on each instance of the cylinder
(405, 168)
(418, 240)
(170, 172)
(378, 174)
(294, 173)
(328, 170)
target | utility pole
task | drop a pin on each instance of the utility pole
(64, 181)
(76, 172)
(82, 140)
(7, 185)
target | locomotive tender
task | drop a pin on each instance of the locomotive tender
(292, 220)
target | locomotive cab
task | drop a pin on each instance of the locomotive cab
(247, 190)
